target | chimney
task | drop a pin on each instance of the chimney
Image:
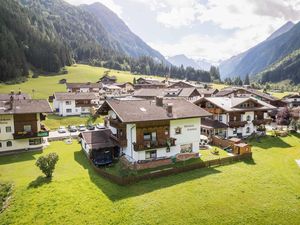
(11, 101)
(159, 101)
(170, 109)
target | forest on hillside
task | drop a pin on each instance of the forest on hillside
(48, 35)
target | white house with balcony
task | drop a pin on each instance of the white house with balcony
(75, 103)
(154, 129)
(242, 115)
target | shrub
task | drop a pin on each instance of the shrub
(47, 163)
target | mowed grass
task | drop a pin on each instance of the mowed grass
(45, 86)
(263, 191)
(53, 122)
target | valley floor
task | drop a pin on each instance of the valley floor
(263, 191)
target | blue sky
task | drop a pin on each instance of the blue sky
(210, 29)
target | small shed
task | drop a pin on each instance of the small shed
(241, 148)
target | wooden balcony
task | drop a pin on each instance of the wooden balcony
(214, 110)
(145, 145)
(116, 123)
(236, 124)
(258, 122)
(24, 134)
(122, 142)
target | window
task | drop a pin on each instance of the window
(248, 130)
(8, 144)
(234, 131)
(37, 141)
(68, 110)
(248, 118)
(0, 145)
(27, 128)
(68, 102)
(167, 131)
(178, 130)
(150, 136)
(150, 154)
(220, 118)
(8, 129)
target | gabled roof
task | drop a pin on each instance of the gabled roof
(210, 123)
(99, 139)
(84, 85)
(186, 92)
(146, 110)
(148, 92)
(291, 96)
(112, 78)
(227, 91)
(181, 82)
(149, 80)
(25, 106)
(230, 104)
(60, 96)
(207, 91)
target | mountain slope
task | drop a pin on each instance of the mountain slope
(289, 66)
(129, 42)
(179, 60)
(258, 57)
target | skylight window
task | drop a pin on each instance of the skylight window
(143, 109)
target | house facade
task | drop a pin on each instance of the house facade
(153, 129)
(243, 115)
(292, 100)
(21, 125)
(74, 104)
(106, 79)
(248, 92)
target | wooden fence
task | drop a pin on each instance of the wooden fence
(169, 171)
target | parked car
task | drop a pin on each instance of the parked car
(100, 126)
(90, 127)
(62, 129)
(72, 129)
(81, 128)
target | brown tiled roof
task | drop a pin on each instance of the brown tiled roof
(74, 96)
(147, 110)
(205, 91)
(84, 85)
(113, 78)
(25, 106)
(206, 122)
(227, 91)
(181, 82)
(230, 104)
(149, 92)
(186, 92)
(4, 97)
(149, 80)
(99, 139)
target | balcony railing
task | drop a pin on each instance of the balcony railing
(154, 144)
(233, 124)
(24, 134)
(258, 122)
(121, 141)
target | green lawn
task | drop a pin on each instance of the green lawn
(263, 191)
(53, 121)
(45, 86)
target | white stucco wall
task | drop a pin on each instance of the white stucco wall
(190, 134)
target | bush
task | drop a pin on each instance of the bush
(47, 163)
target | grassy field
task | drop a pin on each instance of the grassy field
(263, 191)
(53, 122)
(45, 86)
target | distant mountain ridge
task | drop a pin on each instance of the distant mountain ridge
(182, 59)
(258, 57)
(129, 42)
